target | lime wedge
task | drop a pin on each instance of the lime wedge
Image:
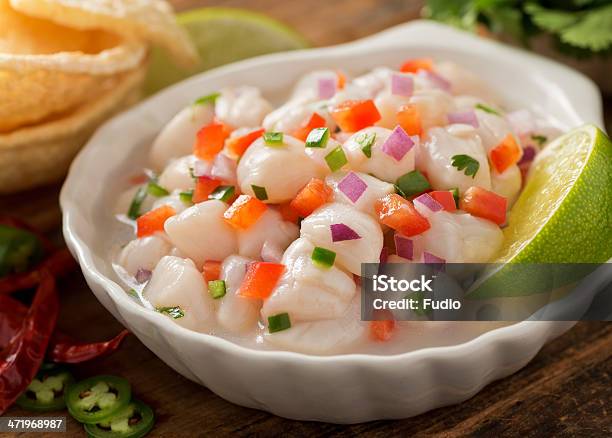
(563, 215)
(222, 35)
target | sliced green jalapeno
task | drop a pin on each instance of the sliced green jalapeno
(46, 392)
(133, 421)
(98, 398)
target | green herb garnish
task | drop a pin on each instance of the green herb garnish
(156, 190)
(487, 109)
(540, 139)
(223, 193)
(366, 140)
(466, 163)
(175, 312)
(317, 138)
(209, 98)
(132, 292)
(217, 288)
(280, 322)
(412, 183)
(336, 159)
(455, 193)
(260, 192)
(322, 257)
(139, 197)
(186, 197)
(273, 138)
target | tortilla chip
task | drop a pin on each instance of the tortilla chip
(150, 20)
(41, 154)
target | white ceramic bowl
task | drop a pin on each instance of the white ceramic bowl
(343, 389)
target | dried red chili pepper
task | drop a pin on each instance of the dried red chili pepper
(63, 349)
(12, 313)
(22, 357)
(57, 264)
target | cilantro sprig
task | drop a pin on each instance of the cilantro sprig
(465, 163)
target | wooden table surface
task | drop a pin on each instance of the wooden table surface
(565, 390)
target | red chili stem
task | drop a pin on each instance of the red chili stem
(64, 350)
(22, 357)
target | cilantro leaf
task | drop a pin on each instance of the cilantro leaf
(539, 139)
(466, 163)
(593, 31)
(487, 109)
(175, 312)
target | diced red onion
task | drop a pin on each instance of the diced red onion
(143, 275)
(521, 121)
(429, 202)
(529, 153)
(404, 247)
(341, 232)
(436, 79)
(352, 186)
(270, 252)
(402, 85)
(432, 259)
(465, 117)
(201, 168)
(384, 255)
(224, 168)
(327, 88)
(398, 144)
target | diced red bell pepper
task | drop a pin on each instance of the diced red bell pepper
(210, 140)
(211, 270)
(244, 212)
(416, 64)
(260, 279)
(153, 221)
(205, 185)
(312, 196)
(239, 145)
(399, 214)
(445, 198)
(505, 154)
(315, 121)
(382, 330)
(409, 118)
(288, 213)
(485, 204)
(354, 115)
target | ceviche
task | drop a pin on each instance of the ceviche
(252, 220)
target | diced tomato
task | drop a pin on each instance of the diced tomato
(505, 154)
(239, 145)
(139, 179)
(416, 64)
(485, 204)
(409, 118)
(312, 196)
(399, 214)
(210, 140)
(260, 279)
(382, 330)
(315, 121)
(153, 221)
(445, 198)
(288, 212)
(244, 212)
(341, 80)
(205, 185)
(353, 115)
(211, 270)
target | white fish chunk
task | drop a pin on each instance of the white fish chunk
(177, 174)
(376, 189)
(241, 106)
(143, 253)
(271, 228)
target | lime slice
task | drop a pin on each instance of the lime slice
(222, 35)
(563, 215)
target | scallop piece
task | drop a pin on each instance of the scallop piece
(463, 81)
(308, 292)
(201, 232)
(462, 238)
(492, 129)
(319, 154)
(236, 313)
(124, 200)
(350, 254)
(329, 336)
(433, 106)
(241, 106)
(177, 175)
(435, 158)
(177, 137)
(173, 200)
(388, 105)
(374, 81)
(375, 189)
(270, 228)
(379, 164)
(143, 253)
(294, 114)
(282, 170)
(176, 282)
(507, 184)
(307, 87)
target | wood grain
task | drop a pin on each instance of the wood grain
(565, 391)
